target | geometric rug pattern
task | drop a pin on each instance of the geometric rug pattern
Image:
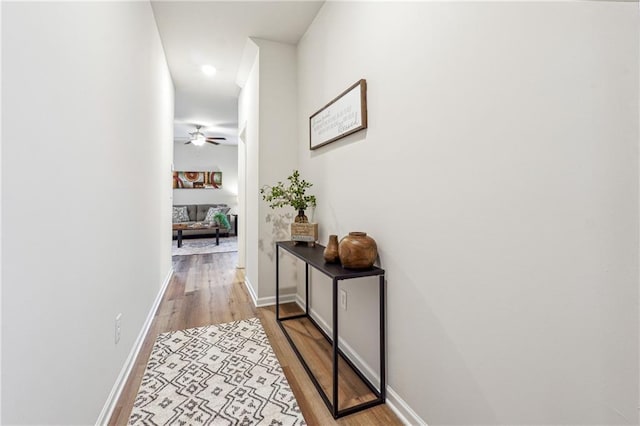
(224, 374)
(204, 246)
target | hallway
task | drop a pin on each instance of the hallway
(208, 289)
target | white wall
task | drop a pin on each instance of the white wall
(1, 257)
(267, 119)
(222, 158)
(278, 149)
(242, 203)
(87, 113)
(499, 176)
(249, 122)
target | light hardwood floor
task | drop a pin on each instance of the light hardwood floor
(207, 289)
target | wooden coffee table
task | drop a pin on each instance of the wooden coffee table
(179, 227)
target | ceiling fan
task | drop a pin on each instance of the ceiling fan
(198, 138)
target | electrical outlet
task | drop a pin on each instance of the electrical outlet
(343, 299)
(118, 327)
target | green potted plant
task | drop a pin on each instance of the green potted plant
(291, 194)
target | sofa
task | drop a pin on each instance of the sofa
(197, 213)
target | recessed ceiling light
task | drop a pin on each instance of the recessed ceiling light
(209, 70)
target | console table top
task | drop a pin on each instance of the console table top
(314, 256)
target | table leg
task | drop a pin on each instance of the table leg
(383, 371)
(277, 284)
(306, 288)
(179, 238)
(335, 349)
(236, 225)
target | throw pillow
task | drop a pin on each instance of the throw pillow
(180, 214)
(211, 214)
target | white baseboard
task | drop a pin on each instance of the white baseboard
(261, 302)
(110, 405)
(270, 301)
(366, 370)
(252, 293)
(401, 409)
(398, 405)
(394, 401)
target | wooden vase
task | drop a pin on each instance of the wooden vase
(331, 251)
(357, 251)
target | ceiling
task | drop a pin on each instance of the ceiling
(215, 32)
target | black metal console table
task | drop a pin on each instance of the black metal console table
(314, 256)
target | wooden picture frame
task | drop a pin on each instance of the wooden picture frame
(344, 115)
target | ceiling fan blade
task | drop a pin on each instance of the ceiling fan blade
(213, 142)
(187, 142)
(218, 138)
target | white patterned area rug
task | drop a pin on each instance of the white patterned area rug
(225, 374)
(204, 246)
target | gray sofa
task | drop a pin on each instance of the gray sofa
(197, 213)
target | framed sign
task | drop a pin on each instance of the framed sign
(344, 115)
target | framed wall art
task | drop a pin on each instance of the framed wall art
(197, 180)
(344, 115)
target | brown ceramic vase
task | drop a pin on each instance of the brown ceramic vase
(331, 251)
(357, 251)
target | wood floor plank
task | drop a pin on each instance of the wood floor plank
(208, 289)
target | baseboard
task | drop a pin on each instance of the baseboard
(252, 294)
(357, 360)
(398, 405)
(270, 301)
(261, 302)
(110, 405)
(401, 409)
